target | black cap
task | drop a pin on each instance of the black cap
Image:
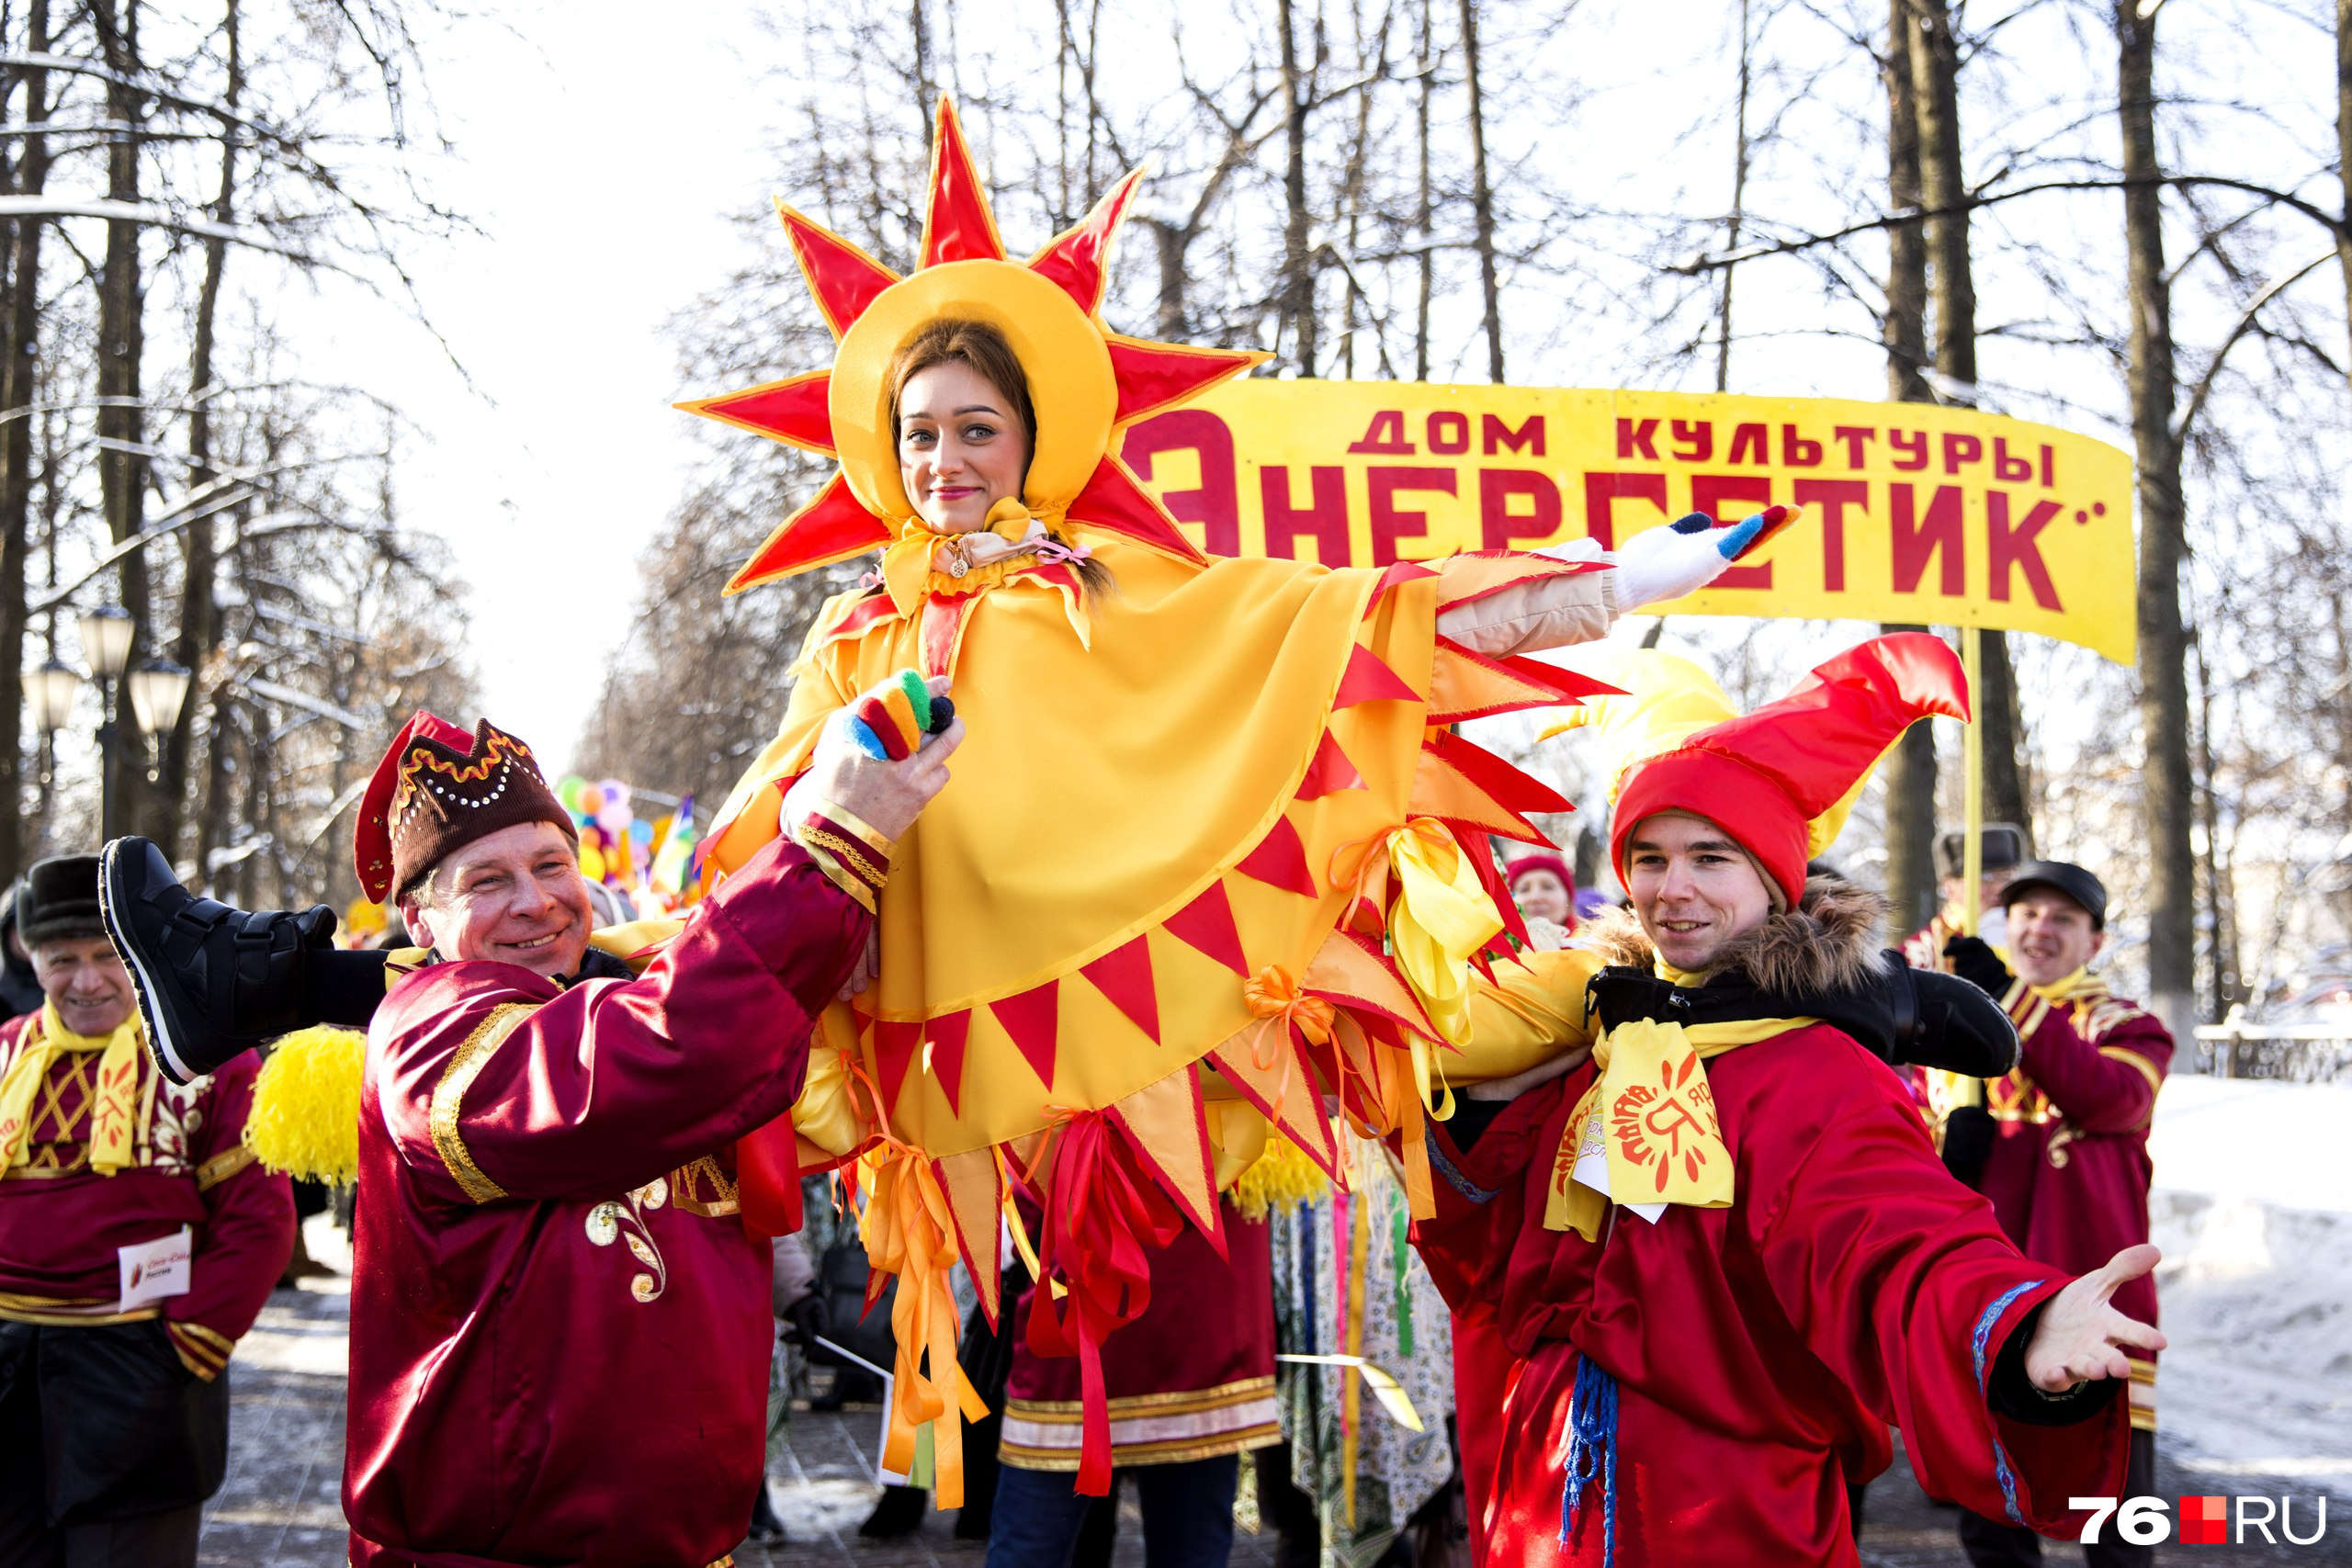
(60, 901)
(2003, 846)
(2061, 876)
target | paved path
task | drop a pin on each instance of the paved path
(279, 1509)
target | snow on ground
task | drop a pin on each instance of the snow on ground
(2252, 1208)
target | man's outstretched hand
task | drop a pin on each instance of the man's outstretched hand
(2080, 1336)
(887, 795)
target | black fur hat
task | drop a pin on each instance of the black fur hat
(60, 901)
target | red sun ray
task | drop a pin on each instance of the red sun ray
(1115, 500)
(1156, 376)
(958, 225)
(831, 527)
(842, 279)
(1076, 258)
(792, 410)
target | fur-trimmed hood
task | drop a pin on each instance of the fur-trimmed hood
(1829, 943)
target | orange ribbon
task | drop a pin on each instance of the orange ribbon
(1275, 999)
(908, 1232)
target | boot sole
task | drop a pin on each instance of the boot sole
(162, 1046)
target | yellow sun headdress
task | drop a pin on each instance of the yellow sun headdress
(1087, 382)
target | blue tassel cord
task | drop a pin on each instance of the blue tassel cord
(1592, 1453)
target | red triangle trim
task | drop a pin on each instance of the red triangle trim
(842, 280)
(947, 1036)
(1330, 772)
(1031, 1017)
(958, 225)
(1280, 861)
(1517, 791)
(1075, 259)
(895, 1044)
(1395, 571)
(1206, 923)
(1368, 680)
(1153, 376)
(793, 411)
(1124, 975)
(831, 527)
(1114, 500)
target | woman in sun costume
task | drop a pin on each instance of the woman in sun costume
(1147, 917)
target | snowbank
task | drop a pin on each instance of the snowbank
(2252, 1208)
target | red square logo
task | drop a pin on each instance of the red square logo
(2204, 1521)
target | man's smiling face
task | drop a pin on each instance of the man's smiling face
(1694, 888)
(512, 897)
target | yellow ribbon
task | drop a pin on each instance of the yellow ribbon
(113, 1098)
(1663, 1141)
(1442, 917)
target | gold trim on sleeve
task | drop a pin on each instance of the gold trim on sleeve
(221, 1167)
(2147, 1068)
(844, 818)
(466, 1063)
(826, 860)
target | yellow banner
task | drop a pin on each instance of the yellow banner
(1941, 516)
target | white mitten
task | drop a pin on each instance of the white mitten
(1660, 564)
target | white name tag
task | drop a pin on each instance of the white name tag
(1592, 1167)
(155, 1269)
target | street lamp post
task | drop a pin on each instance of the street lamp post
(48, 697)
(107, 635)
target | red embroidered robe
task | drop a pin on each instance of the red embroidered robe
(559, 1328)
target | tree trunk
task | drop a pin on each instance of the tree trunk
(1935, 76)
(1482, 195)
(1910, 767)
(1739, 203)
(1423, 209)
(2167, 792)
(122, 472)
(19, 381)
(1298, 273)
(199, 615)
(2343, 141)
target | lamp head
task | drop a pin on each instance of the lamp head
(107, 635)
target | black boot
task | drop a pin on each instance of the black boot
(899, 1511)
(766, 1529)
(212, 981)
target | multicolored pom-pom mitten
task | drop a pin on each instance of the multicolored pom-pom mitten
(889, 722)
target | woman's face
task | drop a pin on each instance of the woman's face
(1539, 895)
(961, 447)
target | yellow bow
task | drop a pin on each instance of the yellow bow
(1442, 917)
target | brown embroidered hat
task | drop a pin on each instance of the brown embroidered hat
(439, 789)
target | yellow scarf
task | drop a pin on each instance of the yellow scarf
(2061, 992)
(1663, 1142)
(113, 1097)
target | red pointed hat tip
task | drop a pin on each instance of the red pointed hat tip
(958, 225)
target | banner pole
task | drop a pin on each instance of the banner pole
(1972, 865)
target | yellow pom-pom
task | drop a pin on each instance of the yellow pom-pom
(305, 1120)
(1281, 1177)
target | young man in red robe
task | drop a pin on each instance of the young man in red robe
(1720, 1240)
(560, 1323)
(114, 1391)
(2067, 1164)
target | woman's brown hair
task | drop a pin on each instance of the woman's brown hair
(976, 343)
